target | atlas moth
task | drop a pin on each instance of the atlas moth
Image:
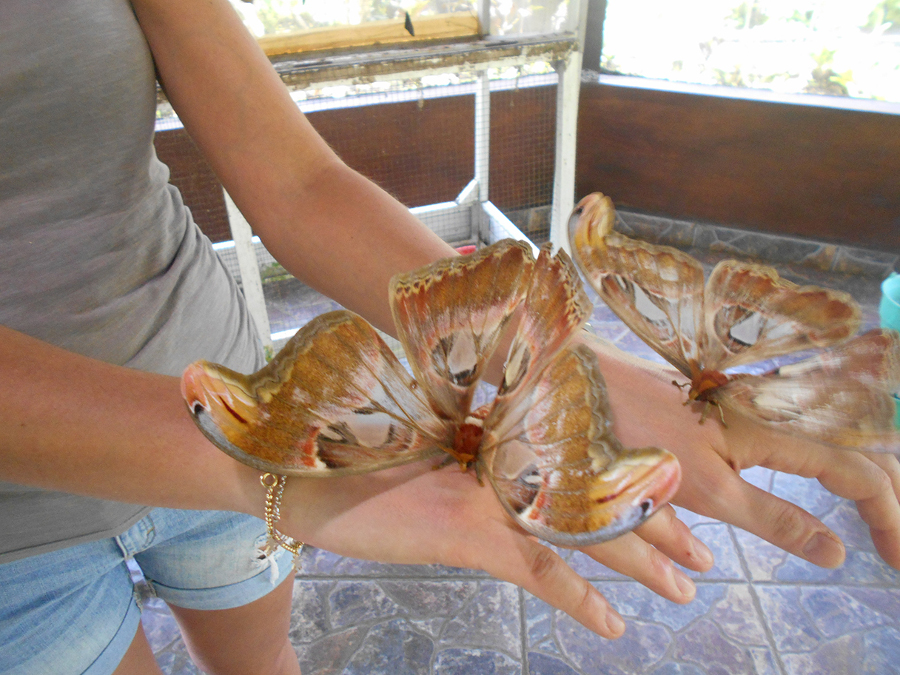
(336, 400)
(745, 313)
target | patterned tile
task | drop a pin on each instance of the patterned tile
(165, 639)
(863, 262)
(403, 626)
(544, 664)
(701, 239)
(390, 648)
(759, 476)
(766, 562)
(677, 233)
(719, 632)
(159, 624)
(830, 630)
(467, 661)
(175, 660)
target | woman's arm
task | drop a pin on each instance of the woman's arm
(79, 425)
(325, 223)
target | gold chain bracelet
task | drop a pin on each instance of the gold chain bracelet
(274, 485)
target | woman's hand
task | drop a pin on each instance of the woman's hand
(650, 411)
(416, 515)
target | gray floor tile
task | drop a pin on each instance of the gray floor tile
(718, 537)
(832, 629)
(406, 625)
(719, 632)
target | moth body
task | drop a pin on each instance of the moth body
(468, 437)
(704, 385)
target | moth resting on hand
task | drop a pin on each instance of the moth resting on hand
(742, 314)
(337, 401)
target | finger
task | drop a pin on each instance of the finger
(541, 572)
(890, 464)
(671, 537)
(734, 500)
(632, 556)
(873, 481)
(887, 538)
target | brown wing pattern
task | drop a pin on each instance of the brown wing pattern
(557, 467)
(657, 291)
(334, 400)
(752, 314)
(450, 316)
(555, 308)
(840, 397)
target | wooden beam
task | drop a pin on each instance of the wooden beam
(455, 26)
(302, 70)
(789, 169)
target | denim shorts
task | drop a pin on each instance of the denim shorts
(75, 610)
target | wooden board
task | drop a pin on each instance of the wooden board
(456, 26)
(800, 170)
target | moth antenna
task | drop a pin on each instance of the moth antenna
(721, 415)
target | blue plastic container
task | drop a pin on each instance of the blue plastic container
(890, 318)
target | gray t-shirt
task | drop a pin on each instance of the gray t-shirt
(98, 254)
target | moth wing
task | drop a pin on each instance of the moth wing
(657, 291)
(555, 308)
(558, 469)
(450, 316)
(335, 400)
(752, 314)
(841, 396)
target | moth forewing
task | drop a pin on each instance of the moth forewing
(748, 314)
(450, 316)
(752, 314)
(334, 400)
(337, 400)
(839, 397)
(555, 308)
(657, 291)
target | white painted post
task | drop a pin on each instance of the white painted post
(566, 130)
(480, 221)
(482, 134)
(567, 94)
(249, 268)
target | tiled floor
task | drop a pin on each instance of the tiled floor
(758, 610)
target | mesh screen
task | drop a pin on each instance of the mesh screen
(416, 139)
(199, 186)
